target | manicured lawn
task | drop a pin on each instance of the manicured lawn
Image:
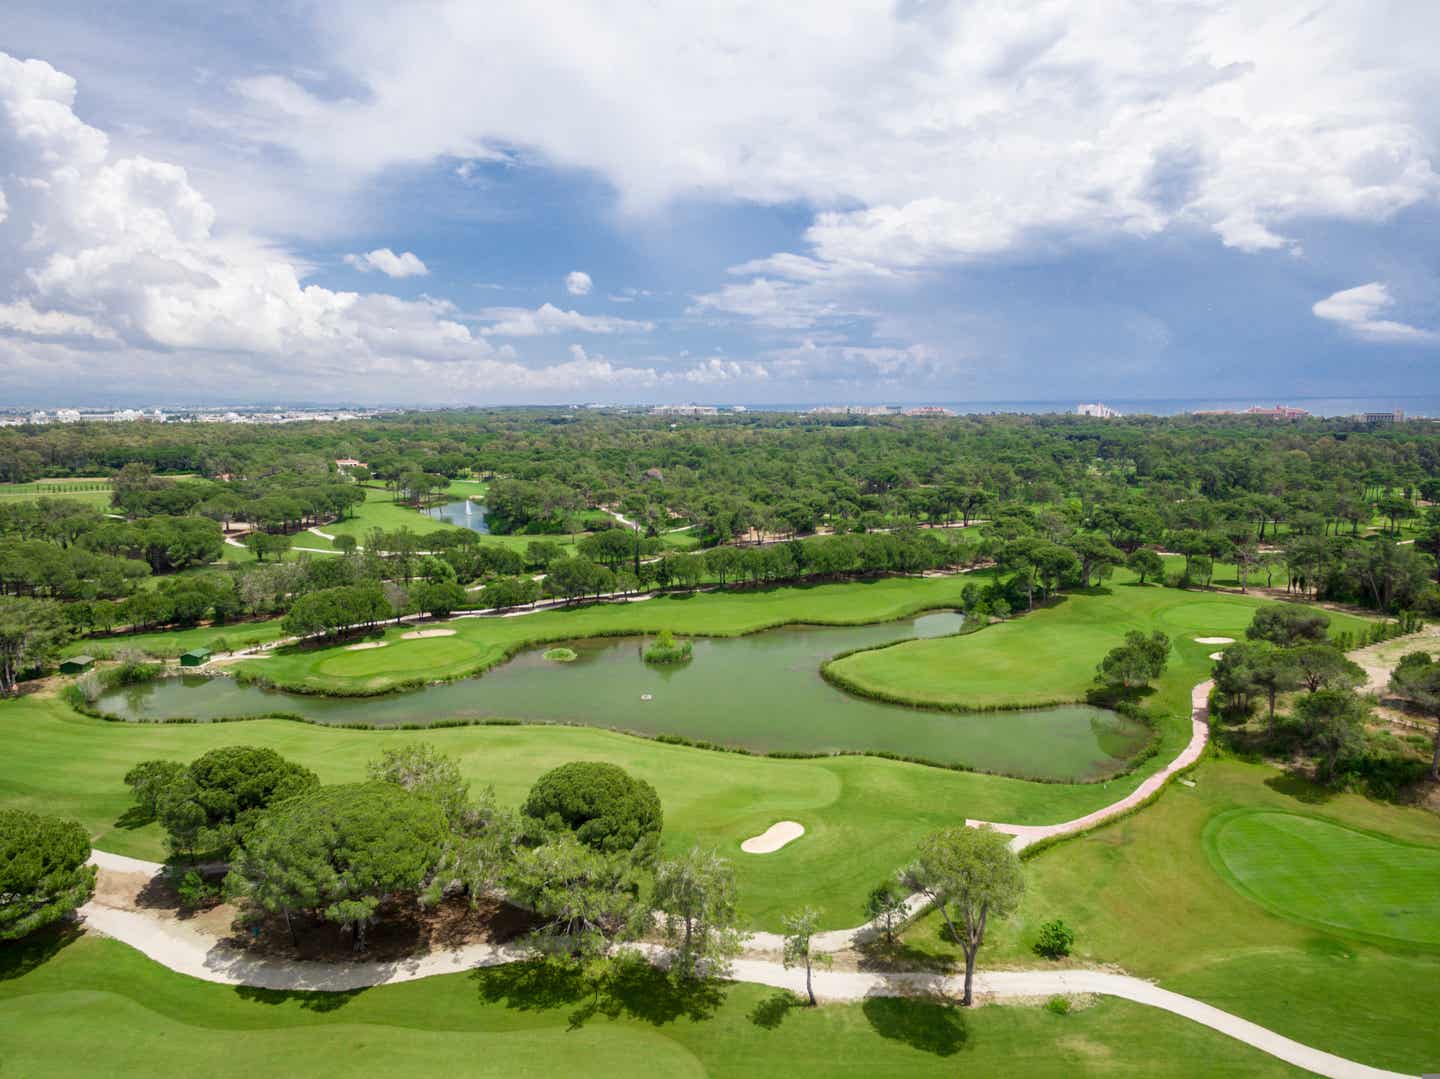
(481, 642)
(1142, 894)
(380, 511)
(1329, 876)
(863, 815)
(1050, 655)
(172, 642)
(71, 490)
(94, 1007)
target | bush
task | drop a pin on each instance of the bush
(43, 875)
(606, 808)
(665, 649)
(1058, 1005)
(561, 655)
(195, 892)
(1055, 940)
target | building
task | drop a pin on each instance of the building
(1380, 419)
(1279, 412)
(932, 411)
(1098, 411)
(77, 664)
(684, 410)
(349, 462)
(196, 657)
(854, 410)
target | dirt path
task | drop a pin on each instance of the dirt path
(1378, 660)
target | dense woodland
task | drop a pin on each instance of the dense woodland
(1328, 509)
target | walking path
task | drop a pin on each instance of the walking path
(187, 950)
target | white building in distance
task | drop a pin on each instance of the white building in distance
(1097, 410)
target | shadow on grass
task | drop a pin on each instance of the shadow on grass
(769, 1013)
(310, 1001)
(630, 988)
(926, 1025)
(19, 957)
(1300, 787)
(134, 817)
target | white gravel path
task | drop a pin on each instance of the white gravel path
(186, 950)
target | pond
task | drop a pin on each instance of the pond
(762, 692)
(463, 514)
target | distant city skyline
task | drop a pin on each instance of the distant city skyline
(914, 202)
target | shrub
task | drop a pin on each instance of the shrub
(561, 655)
(43, 875)
(606, 807)
(1058, 1005)
(195, 892)
(1055, 940)
(665, 649)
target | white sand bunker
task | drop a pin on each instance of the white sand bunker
(364, 645)
(1217, 655)
(774, 837)
(1215, 640)
(420, 634)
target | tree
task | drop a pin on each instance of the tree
(588, 900)
(1417, 679)
(1323, 666)
(1332, 723)
(605, 807)
(1146, 564)
(43, 871)
(423, 770)
(340, 851)
(1287, 625)
(1137, 662)
(149, 780)
(696, 894)
(212, 805)
(799, 930)
(1273, 671)
(438, 599)
(971, 875)
(345, 543)
(886, 906)
(32, 632)
(1097, 555)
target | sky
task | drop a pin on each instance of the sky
(449, 203)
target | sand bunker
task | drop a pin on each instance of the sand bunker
(1215, 640)
(364, 645)
(419, 634)
(773, 838)
(1217, 655)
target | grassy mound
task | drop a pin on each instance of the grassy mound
(1330, 876)
(561, 655)
(665, 649)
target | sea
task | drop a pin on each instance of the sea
(1414, 407)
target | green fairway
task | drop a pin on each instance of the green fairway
(863, 816)
(94, 1007)
(172, 642)
(1141, 893)
(1329, 876)
(1050, 655)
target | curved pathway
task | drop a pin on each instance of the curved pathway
(186, 950)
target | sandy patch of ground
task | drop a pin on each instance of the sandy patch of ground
(1378, 660)
(1214, 640)
(1217, 655)
(364, 645)
(774, 837)
(420, 634)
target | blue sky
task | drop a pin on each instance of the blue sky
(914, 201)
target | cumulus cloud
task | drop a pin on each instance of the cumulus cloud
(925, 133)
(1356, 309)
(406, 264)
(578, 283)
(549, 319)
(116, 265)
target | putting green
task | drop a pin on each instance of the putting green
(1330, 876)
(401, 659)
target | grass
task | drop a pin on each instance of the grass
(1050, 655)
(171, 642)
(140, 1019)
(1330, 876)
(482, 642)
(1142, 893)
(379, 510)
(93, 492)
(864, 816)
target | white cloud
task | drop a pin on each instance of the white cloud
(406, 264)
(115, 265)
(925, 133)
(1356, 310)
(549, 319)
(578, 283)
